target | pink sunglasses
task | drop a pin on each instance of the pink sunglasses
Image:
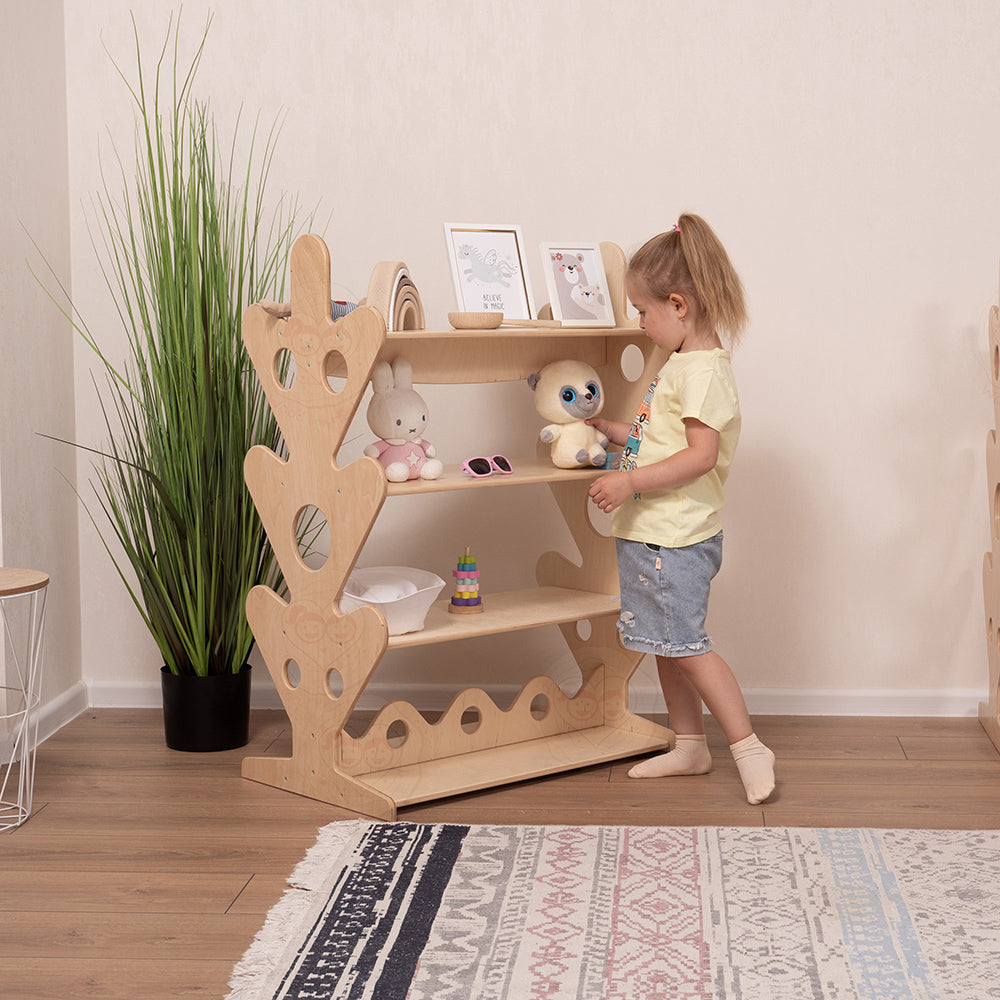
(482, 467)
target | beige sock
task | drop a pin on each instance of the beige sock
(689, 756)
(756, 767)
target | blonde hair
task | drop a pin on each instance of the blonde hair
(689, 260)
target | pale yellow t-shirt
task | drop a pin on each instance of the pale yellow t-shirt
(695, 384)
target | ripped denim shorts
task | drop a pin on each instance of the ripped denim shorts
(665, 595)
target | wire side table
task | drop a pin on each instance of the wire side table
(21, 691)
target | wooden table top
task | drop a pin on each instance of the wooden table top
(21, 581)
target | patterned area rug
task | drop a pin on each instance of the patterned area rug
(440, 912)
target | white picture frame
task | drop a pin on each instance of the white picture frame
(489, 269)
(577, 284)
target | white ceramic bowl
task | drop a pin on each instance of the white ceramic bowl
(403, 594)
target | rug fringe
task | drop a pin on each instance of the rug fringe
(249, 978)
(331, 842)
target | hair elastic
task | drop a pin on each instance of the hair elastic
(677, 228)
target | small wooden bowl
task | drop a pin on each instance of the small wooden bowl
(475, 320)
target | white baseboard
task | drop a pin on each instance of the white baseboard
(645, 699)
(52, 716)
(943, 703)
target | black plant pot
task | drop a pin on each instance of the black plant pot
(204, 714)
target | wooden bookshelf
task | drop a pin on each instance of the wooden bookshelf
(401, 758)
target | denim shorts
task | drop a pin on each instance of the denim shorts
(665, 596)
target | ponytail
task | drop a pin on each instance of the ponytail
(690, 260)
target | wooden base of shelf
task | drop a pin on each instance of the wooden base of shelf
(380, 793)
(505, 765)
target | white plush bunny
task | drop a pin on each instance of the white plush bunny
(397, 413)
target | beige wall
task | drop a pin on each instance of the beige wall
(846, 155)
(38, 511)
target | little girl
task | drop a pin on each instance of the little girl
(667, 495)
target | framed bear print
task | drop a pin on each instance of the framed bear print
(577, 285)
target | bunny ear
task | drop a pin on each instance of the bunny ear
(382, 377)
(403, 371)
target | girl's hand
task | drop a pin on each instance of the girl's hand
(611, 490)
(615, 432)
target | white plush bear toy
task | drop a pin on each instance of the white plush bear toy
(398, 415)
(567, 393)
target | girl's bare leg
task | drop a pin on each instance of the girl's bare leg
(688, 681)
(709, 675)
(690, 754)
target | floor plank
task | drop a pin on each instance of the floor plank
(129, 851)
(39, 890)
(182, 936)
(118, 978)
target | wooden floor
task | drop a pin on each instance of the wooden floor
(145, 873)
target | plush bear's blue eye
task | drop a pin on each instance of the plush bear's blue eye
(568, 395)
(592, 389)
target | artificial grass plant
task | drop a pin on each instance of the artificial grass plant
(185, 248)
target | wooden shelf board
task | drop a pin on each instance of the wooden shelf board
(509, 611)
(506, 355)
(503, 765)
(515, 333)
(526, 472)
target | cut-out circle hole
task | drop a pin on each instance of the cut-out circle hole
(335, 371)
(632, 362)
(397, 734)
(284, 368)
(539, 707)
(312, 536)
(471, 720)
(334, 682)
(293, 674)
